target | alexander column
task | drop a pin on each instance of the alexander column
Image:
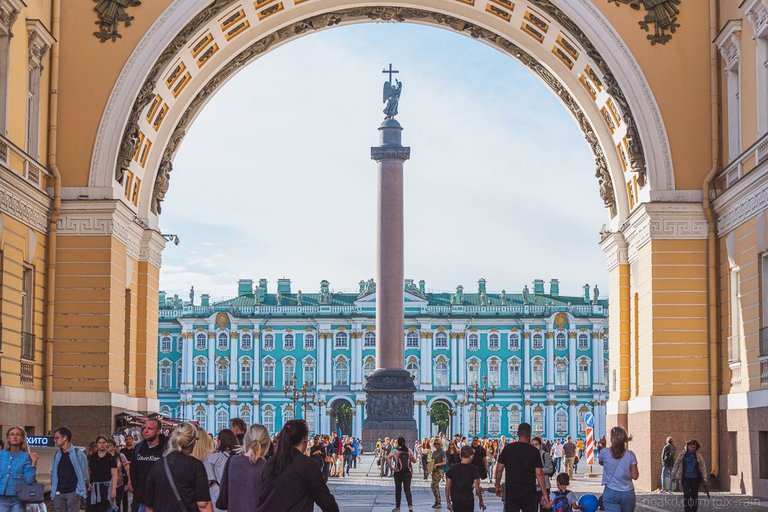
(390, 388)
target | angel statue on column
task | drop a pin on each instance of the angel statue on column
(391, 97)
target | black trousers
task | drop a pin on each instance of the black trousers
(521, 503)
(463, 505)
(691, 494)
(403, 482)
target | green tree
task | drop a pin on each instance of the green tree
(343, 415)
(441, 416)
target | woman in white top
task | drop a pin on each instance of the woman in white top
(214, 465)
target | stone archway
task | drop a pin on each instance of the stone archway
(441, 418)
(341, 412)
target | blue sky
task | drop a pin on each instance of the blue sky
(274, 179)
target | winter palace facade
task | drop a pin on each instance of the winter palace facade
(541, 356)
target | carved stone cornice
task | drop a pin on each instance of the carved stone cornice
(661, 14)
(757, 14)
(664, 221)
(9, 12)
(746, 199)
(18, 199)
(729, 44)
(615, 248)
(39, 41)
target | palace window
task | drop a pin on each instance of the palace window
(583, 342)
(494, 420)
(538, 420)
(246, 341)
(289, 370)
(537, 372)
(269, 374)
(561, 341)
(561, 374)
(413, 369)
(341, 340)
(514, 341)
(269, 341)
(222, 420)
(514, 419)
(473, 342)
(729, 44)
(514, 373)
(165, 376)
(222, 341)
(537, 342)
(201, 340)
(179, 373)
(288, 415)
(583, 373)
(561, 422)
(28, 314)
(441, 340)
(368, 366)
(222, 374)
(412, 340)
(493, 341)
(201, 373)
(441, 373)
(309, 341)
(582, 423)
(494, 372)
(245, 415)
(165, 344)
(245, 373)
(341, 374)
(473, 373)
(200, 417)
(180, 344)
(734, 340)
(268, 420)
(309, 373)
(369, 339)
(288, 342)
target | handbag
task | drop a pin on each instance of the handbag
(30, 493)
(182, 506)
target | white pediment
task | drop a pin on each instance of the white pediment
(409, 300)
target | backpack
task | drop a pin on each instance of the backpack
(561, 503)
(403, 461)
(547, 466)
(668, 459)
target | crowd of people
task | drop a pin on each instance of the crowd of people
(244, 469)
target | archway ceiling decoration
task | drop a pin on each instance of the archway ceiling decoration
(195, 45)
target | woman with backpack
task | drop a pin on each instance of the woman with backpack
(403, 462)
(547, 466)
(619, 470)
(241, 479)
(215, 462)
(691, 470)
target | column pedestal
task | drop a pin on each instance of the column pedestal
(389, 406)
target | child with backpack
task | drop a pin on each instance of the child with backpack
(460, 481)
(403, 460)
(562, 499)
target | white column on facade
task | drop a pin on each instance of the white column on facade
(425, 429)
(549, 431)
(572, 362)
(358, 432)
(425, 364)
(550, 362)
(526, 364)
(321, 361)
(256, 410)
(573, 427)
(210, 414)
(256, 360)
(454, 357)
(461, 349)
(211, 377)
(234, 412)
(527, 412)
(187, 358)
(188, 410)
(597, 360)
(356, 352)
(234, 341)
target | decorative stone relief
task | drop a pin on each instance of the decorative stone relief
(729, 44)
(757, 13)
(111, 13)
(19, 207)
(741, 203)
(9, 12)
(39, 41)
(659, 14)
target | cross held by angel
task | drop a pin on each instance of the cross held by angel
(392, 90)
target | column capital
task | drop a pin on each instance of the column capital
(664, 221)
(615, 248)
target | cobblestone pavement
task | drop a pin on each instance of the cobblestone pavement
(358, 493)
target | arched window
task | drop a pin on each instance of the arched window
(310, 419)
(288, 415)
(222, 341)
(222, 374)
(165, 344)
(413, 368)
(269, 341)
(561, 373)
(341, 339)
(269, 373)
(369, 339)
(583, 342)
(268, 420)
(441, 373)
(561, 341)
(538, 420)
(245, 373)
(583, 373)
(473, 372)
(473, 342)
(494, 420)
(341, 373)
(179, 373)
(200, 417)
(246, 416)
(441, 340)
(222, 420)
(309, 341)
(246, 341)
(368, 366)
(583, 410)
(561, 422)
(514, 341)
(412, 340)
(288, 342)
(514, 373)
(494, 372)
(309, 373)
(514, 420)
(201, 340)
(537, 372)
(165, 376)
(289, 370)
(493, 341)
(201, 373)
(165, 411)
(537, 342)
(180, 343)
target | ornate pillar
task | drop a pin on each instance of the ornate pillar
(571, 363)
(256, 360)
(321, 359)
(234, 340)
(525, 367)
(211, 369)
(455, 358)
(461, 348)
(550, 361)
(549, 431)
(527, 411)
(210, 414)
(359, 404)
(425, 362)
(424, 420)
(356, 338)
(573, 427)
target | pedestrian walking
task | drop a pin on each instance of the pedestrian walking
(425, 449)
(668, 454)
(619, 470)
(569, 454)
(556, 453)
(460, 480)
(402, 459)
(291, 481)
(69, 473)
(438, 470)
(452, 455)
(215, 463)
(522, 462)
(384, 451)
(547, 467)
(150, 450)
(123, 478)
(563, 499)
(480, 459)
(243, 476)
(178, 481)
(18, 466)
(491, 450)
(103, 478)
(347, 454)
(691, 470)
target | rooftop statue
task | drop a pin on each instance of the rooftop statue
(392, 92)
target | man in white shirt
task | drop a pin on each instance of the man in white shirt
(557, 455)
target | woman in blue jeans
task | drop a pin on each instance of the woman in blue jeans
(619, 469)
(17, 466)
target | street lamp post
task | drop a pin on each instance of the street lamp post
(481, 394)
(460, 404)
(296, 393)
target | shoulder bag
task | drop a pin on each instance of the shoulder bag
(182, 506)
(30, 493)
(600, 505)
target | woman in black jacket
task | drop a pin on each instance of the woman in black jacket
(292, 482)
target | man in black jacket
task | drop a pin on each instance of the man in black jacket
(146, 453)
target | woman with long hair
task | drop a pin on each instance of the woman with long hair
(291, 480)
(619, 470)
(403, 472)
(17, 466)
(214, 464)
(178, 480)
(424, 450)
(204, 445)
(452, 455)
(102, 469)
(690, 470)
(243, 476)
